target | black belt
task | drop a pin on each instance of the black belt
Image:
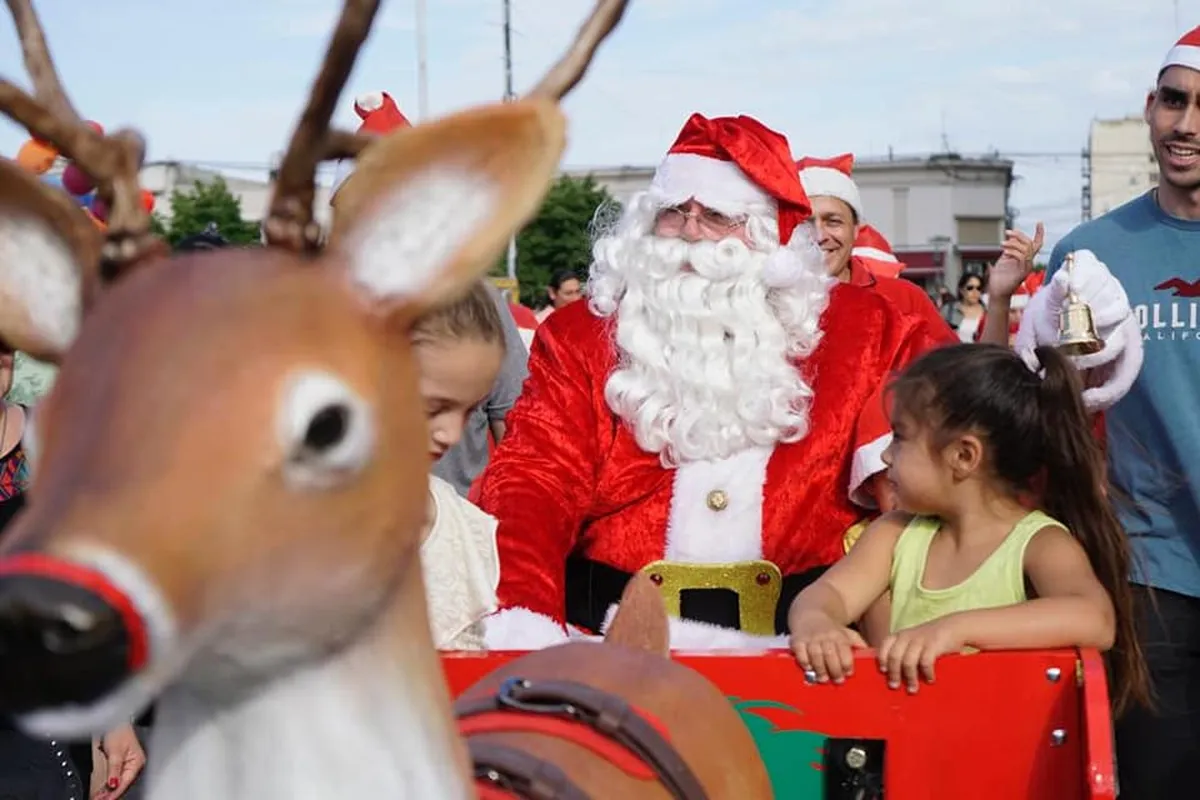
(593, 587)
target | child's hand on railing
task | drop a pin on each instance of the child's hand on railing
(824, 648)
(909, 655)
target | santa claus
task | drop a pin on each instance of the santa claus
(710, 416)
(700, 417)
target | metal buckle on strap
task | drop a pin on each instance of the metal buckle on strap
(757, 584)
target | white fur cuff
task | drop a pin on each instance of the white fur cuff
(521, 629)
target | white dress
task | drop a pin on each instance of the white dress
(461, 566)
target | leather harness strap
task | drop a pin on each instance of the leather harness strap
(521, 774)
(605, 713)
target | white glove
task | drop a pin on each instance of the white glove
(1118, 364)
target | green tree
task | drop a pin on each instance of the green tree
(208, 202)
(560, 237)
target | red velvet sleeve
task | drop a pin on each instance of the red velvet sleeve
(541, 478)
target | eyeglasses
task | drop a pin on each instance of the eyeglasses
(673, 220)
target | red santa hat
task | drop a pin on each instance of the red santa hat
(1185, 53)
(380, 115)
(1027, 289)
(731, 165)
(875, 253)
(830, 177)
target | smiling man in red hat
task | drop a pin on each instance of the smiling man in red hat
(701, 415)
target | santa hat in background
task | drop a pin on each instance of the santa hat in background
(1027, 289)
(1185, 53)
(874, 251)
(830, 177)
(380, 116)
(731, 165)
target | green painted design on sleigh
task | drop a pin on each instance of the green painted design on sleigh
(794, 757)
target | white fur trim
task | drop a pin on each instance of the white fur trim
(719, 185)
(519, 628)
(415, 232)
(868, 462)
(829, 182)
(1182, 55)
(688, 634)
(1019, 301)
(38, 273)
(875, 253)
(697, 534)
(369, 101)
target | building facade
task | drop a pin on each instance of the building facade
(943, 213)
(1121, 163)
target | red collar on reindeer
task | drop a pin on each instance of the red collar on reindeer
(731, 164)
(380, 116)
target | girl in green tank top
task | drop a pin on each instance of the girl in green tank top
(1008, 539)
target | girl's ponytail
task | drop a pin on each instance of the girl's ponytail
(1076, 494)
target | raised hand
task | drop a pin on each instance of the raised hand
(1015, 262)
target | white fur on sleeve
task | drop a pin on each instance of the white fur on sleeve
(38, 273)
(521, 629)
(687, 634)
(412, 234)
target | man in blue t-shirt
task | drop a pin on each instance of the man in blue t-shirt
(1152, 246)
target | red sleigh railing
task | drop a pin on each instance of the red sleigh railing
(995, 726)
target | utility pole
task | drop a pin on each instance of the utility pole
(422, 64)
(508, 97)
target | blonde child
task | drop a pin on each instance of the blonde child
(459, 348)
(977, 433)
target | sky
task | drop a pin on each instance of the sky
(221, 82)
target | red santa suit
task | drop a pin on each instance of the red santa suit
(570, 482)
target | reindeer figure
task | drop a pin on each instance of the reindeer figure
(229, 475)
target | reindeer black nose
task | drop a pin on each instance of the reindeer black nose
(64, 637)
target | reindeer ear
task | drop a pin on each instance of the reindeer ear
(429, 209)
(49, 257)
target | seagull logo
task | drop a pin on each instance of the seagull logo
(1182, 288)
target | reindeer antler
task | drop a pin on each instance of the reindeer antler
(111, 161)
(290, 222)
(569, 70)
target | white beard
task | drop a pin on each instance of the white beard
(708, 354)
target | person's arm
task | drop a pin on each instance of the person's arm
(1071, 608)
(820, 616)
(844, 593)
(539, 485)
(513, 371)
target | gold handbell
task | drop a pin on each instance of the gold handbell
(1076, 329)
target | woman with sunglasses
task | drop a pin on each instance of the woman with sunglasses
(965, 314)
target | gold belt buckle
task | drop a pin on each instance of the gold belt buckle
(757, 584)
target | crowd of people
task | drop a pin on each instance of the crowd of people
(744, 391)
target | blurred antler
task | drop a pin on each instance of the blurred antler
(563, 76)
(290, 222)
(111, 161)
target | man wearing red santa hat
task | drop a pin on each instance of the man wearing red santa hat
(700, 416)
(838, 215)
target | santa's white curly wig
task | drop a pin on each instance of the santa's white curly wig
(709, 333)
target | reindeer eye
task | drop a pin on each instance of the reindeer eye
(326, 431)
(327, 428)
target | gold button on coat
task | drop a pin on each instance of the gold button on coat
(718, 500)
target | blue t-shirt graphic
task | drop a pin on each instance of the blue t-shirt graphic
(1154, 431)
